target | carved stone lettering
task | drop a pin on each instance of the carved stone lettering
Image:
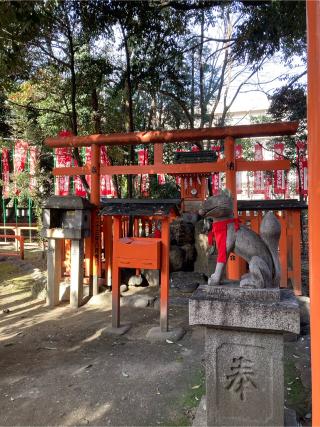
(241, 376)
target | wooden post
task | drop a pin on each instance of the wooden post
(283, 250)
(108, 240)
(116, 278)
(21, 247)
(229, 152)
(296, 252)
(76, 274)
(95, 218)
(158, 154)
(54, 264)
(164, 291)
(313, 26)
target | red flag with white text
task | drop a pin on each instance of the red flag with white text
(303, 169)
(33, 159)
(279, 175)
(5, 173)
(238, 153)
(258, 176)
(215, 176)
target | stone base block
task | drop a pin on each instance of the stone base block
(156, 335)
(200, 419)
(244, 375)
(244, 352)
(119, 331)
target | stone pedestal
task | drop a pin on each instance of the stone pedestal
(244, 352)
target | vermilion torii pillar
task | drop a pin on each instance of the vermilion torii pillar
(313, 27)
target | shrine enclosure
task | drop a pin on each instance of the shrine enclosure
(230, 165)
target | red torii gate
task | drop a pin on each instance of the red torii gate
(230, 165)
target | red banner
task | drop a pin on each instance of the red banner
(303, 169)
(5, 173)
(258, 176)
(106, 183)
(79, 189)
(268, 187)
(63, 159)
(238, 154)
(33, 158)
(279, 175)
(143, 160)
(215, 177)
(20, 158)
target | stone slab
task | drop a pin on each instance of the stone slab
(121, 330)
(200, 419)
(244, 378)
(156, 335)
(232, 290)
(68, 202)
(239, 311)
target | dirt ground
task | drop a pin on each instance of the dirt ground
(62, 367)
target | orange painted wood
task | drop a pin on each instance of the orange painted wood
(229, 152)
(313, 28)
(21, 246)
(262, 165)
(116, 277)
(184, 135)
(158, 154)
(149, 169)
(150, 264)
(295, 248)
(283, 250)
(87, 255)
(95, 218)
(179, 169)
(138, 250)
(136, 227)
(107, 243)
(164, 274)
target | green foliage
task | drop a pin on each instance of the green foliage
(169, 190)
(92, 66)
(269, 27)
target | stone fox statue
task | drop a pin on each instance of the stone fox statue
(260, 251)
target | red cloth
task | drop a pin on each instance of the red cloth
(219, 229)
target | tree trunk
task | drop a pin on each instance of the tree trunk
(192, 89)
(128, 107)
(96, 113)
(201, 74)
(74, 116)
